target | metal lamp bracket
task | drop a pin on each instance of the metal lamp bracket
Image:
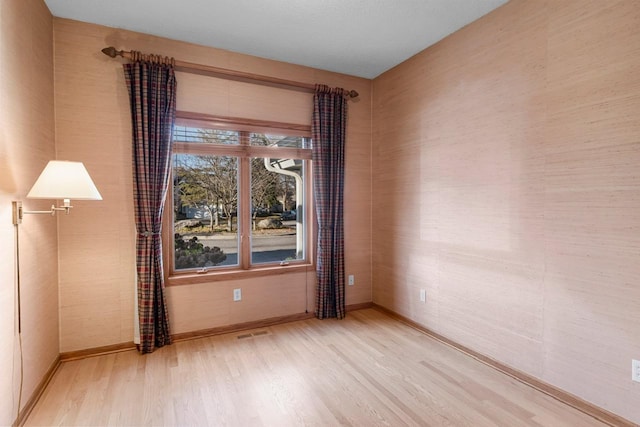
(18, 211)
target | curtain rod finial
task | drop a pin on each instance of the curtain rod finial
(353, 94)
(111, 51)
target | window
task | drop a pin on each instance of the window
(239, 199)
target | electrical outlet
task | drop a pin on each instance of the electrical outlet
(635, 370)
(352, 280)
(237, 294)
(423, 295)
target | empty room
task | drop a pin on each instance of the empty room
(288, 213)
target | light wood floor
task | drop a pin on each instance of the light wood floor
(365, 370)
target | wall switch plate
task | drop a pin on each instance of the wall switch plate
(635, 370)
(423, 295)
(352, 280)
(237, 294)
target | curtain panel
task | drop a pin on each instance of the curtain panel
(152, 95)
(328, 131)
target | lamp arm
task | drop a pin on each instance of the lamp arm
(18, 211)
(51, 212)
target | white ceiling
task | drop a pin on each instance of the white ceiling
(357, 37)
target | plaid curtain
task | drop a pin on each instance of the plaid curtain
(152, 94)
(328, 132)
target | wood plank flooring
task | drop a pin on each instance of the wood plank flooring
(365, 370)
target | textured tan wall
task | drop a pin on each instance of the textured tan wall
(26, 145)
(97, 249)
(506, 184)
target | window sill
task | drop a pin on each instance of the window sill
(220, 275)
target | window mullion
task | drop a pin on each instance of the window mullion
(244, 211)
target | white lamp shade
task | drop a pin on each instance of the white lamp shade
(64, 180)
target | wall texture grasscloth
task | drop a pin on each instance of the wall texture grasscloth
(26, 145)
(96, 250)
(506, 184)
(497, 169)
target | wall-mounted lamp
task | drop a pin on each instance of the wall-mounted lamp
(59, 180)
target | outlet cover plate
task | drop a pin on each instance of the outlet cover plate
(423, 295)
(351, 280)
(237, 294)
(635, 370)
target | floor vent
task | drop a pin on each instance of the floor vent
(253, 334)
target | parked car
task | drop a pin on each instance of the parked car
(261, 212)
(288, 215)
